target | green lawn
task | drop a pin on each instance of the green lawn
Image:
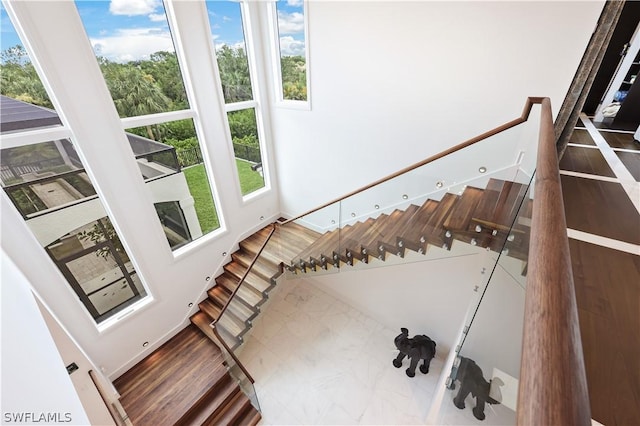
(249, 180)
(201, 192)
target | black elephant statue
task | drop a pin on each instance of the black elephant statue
(472, 381)
(417, 348)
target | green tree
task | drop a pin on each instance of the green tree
(234, 73)
(163, 67)
(134, 93)
(18, 78)
(243, 127)
(294, 77)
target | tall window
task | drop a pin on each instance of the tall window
(135, 51)
(227, 32)
(45, 179)
(292, 48)
(47, 184)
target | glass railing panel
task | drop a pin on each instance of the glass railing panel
(239, 374)
(488, 359)
(513, 254)
(312, 243)
(452, 206)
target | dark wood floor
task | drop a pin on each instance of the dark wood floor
(620, 140)
(585, 160)
(607, 292)
(600, 208)
(582, 137)
(632, 161)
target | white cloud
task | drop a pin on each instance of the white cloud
(157, 17)
(291, 47)
(132, 44)
(226, 19)
(294, 3)
(290, 23)
(133, 7)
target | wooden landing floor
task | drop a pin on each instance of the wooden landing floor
(158, 390)
(607, 280)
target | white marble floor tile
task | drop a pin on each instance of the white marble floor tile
(317, 360)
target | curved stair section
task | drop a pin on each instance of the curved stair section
(253, 292)
(480, 217)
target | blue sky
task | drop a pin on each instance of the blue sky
(124, 30)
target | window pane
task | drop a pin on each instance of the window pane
(48, 185)
(135, 51)
(225, 20)
(43, 176)
(98, 269)
(170, 160)
(19, 80)
(246, 146)
(291, 37)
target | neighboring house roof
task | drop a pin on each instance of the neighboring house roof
(18, 115)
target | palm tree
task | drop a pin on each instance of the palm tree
(134, 93)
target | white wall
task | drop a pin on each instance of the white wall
(428, 297)
(495, 336)
(34, 379)
(395, 82)
(89, 396)
(172, 279)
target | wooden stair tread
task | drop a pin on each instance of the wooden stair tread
(238, 405)
(508, 204)
(249, 296)
(412, 230)
(237, 270)
(371, 237)
(499, 204)
(391, 237)
(232, 324)
(214, 402)
(241, 310)
(460, 216)
(350, 243)
(261, 267)
(210, 308)
(164, 386)
(325, 245)
(203, 322)
(252, 283)
(232, 341)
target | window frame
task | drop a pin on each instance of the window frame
(255, 104)
(278, 88)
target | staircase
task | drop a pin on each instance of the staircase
(187, 382)
(254, 291)
(184, 382)
(480, 217)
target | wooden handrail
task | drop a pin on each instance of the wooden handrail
(523, 117)
(233, 294)
(115, 415)
(235, 358)
(553, 386)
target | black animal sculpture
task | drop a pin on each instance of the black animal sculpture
(472, 381)
(417, 348)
